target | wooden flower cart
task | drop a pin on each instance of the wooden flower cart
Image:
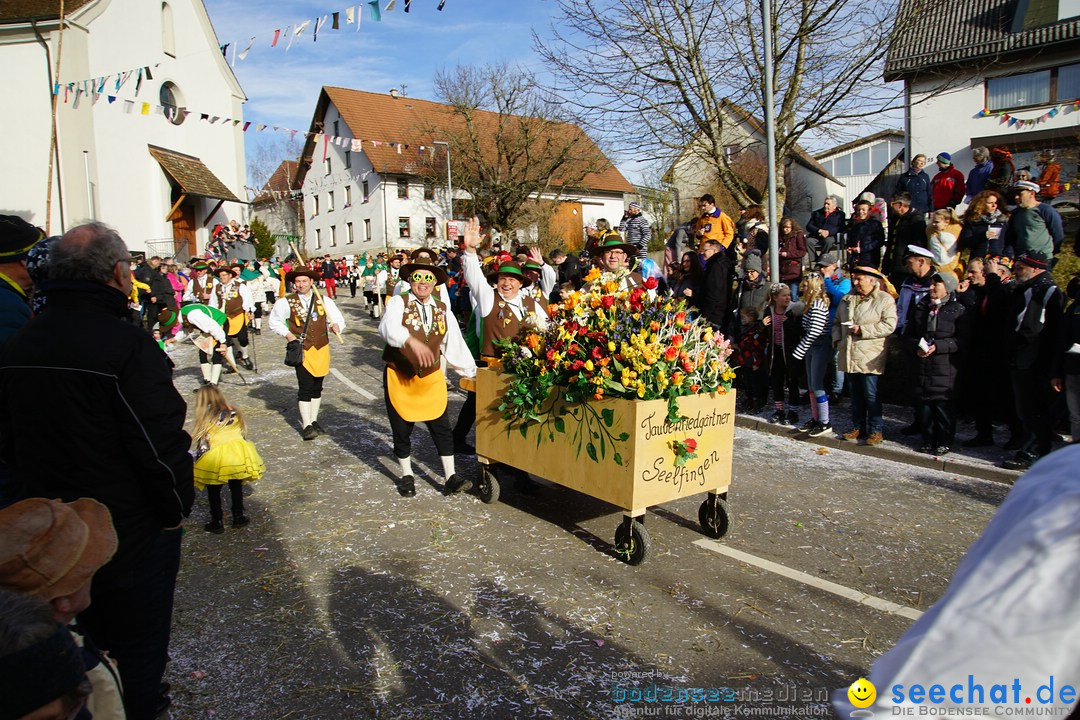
(624, 452)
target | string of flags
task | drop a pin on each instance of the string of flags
(1012, 121)
(286, 35)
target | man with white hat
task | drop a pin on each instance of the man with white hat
(1033, 226)
(920, 265)
(635, 229)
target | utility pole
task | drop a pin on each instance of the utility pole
(770, 141)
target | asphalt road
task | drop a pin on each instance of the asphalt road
(342, 599)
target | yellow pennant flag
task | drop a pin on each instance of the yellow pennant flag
(146, 108)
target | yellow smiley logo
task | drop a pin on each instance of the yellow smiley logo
(862, 693)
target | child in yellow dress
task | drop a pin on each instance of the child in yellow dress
(222, 455)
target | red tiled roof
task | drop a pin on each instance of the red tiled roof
(377, 116)
(283, 180)
(21, 10)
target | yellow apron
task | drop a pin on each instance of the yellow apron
(417, 399)
(236, 323)
(317, 361)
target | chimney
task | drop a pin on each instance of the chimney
(394, 93)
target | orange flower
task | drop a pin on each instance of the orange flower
(694, 388)
(670, 354)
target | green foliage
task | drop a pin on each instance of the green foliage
(264, 240)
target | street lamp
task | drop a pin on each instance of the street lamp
(449, 186)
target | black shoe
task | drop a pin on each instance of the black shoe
(309, 433)
(163, 703)
(214, 526)
(318, 428)
(912, 429)
(777, 418)
(240, 521)
(820, 429)
(407, 486)
(942, 450)
(926, 448)
(463, 448)
(457, 484)
(257, 331)
(792, 417)
(808, 426)
(978, 441)
(1021, 461)
(247, 364)
(1015, 443)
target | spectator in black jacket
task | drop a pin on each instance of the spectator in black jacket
(162, 294)
(936, 334)
(916, 184)
(715, 297)
(823, 230)
(1067, 363)
(1034, 316)
(984, 226)
(865, 237)
(90, 411)
(907, 226)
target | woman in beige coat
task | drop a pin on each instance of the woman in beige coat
(864, 321)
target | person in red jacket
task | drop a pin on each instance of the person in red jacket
(947, 187)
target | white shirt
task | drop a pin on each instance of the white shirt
(393, 331)
(278, 321)
(246, 298)
(483, 295)
(189, 292)
(202, 320)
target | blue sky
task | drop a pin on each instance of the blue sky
(403, 50)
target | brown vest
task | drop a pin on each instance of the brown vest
(403, 359)
(198, 288)
(318, 332)
(502, 324)
(234, 304)
(392, 277)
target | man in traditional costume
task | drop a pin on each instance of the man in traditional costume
(233, 297)
(288, 319)
(426, 256)
(201, 323)
(499, 313)
(542, 275)
(386, 279)
(419, 330)
(611, 255)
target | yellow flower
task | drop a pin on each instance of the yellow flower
(589, 365)
(641, 390)
(611, 346)
(592, 274)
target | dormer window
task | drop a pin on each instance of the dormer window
(168, 37)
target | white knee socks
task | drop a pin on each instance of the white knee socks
(215, 373)
(406, 466)
(447, 465)
(305, 413)
(315, 408)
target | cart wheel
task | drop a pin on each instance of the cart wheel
(715, 517)
(488, 486)
(633, 545)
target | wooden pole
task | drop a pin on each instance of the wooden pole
(52, 134)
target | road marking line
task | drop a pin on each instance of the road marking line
(811, 580)
(338, 374)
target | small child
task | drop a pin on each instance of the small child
(222, 455)
(749, 374)
(943, 243)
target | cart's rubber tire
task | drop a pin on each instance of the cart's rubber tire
(715, 518)
(635, 549)
(487, 487)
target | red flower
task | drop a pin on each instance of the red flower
(577, 365)
(597, 353)
(635, 296)
(687, 366)
(608, 301)
(670, 354)
(550, 354)
(677, 341)
(651, 283)
(691, 444)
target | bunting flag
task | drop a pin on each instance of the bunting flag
(407, 4)
(376, 14)
(1011, 121)
(297, 33)
(318, 26)
(441, 4)
(246, 50)
(350, 15)
(390, 6)
(277, 36)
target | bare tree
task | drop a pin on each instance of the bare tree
(682, 76)
(508, 144)
(272, 170)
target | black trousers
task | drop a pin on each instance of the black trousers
(401, 429)
(310, 387)
(213, 495)
(240, 338)
(781, 374)
(937, 419)
(1033, 403)
(466, 419)
(213, 358)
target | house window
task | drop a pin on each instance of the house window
(367, 230)
(879, 157)
(333, 236)
(429, 191)
(328, 165)
(172, 104)
(365, 189)
(730, 151)
(348, 234)
(314, 205)
(403, 227)
(348, 159)
(403, 189)
(337, 130)
(330, 201)
(843, 165)
(860, 162)
(168, 36)
(1068, 83)
(429, 227)
(318, 238)
(827, 164)
(348, 195)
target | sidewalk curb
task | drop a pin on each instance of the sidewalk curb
(908, 457)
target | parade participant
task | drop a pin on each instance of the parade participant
(498, 314)
(201, 285)
(612, 255)
(233, 297)
(202, 318)
(426, 256)
(419, 330)
(305, 313)
(386, 279)
(17, 238)
(223, 456)
(329, 276)
(542, 275)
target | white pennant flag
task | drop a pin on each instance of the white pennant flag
(297, 33)
(390, 6)
(359, 16)
(356, 145)
(247, 49)
(350, 15)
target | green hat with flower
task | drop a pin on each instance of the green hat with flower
(510, 268)
(613, 241)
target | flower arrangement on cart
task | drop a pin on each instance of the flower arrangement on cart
(605, 341)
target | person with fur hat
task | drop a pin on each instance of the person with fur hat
(1033, 226)
(936, 337)
(232, 296)
(17, 239)
(419, 331)
(947, 188)
(308, 314)
(864, 321)
(1035, 314)
(50, 550)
